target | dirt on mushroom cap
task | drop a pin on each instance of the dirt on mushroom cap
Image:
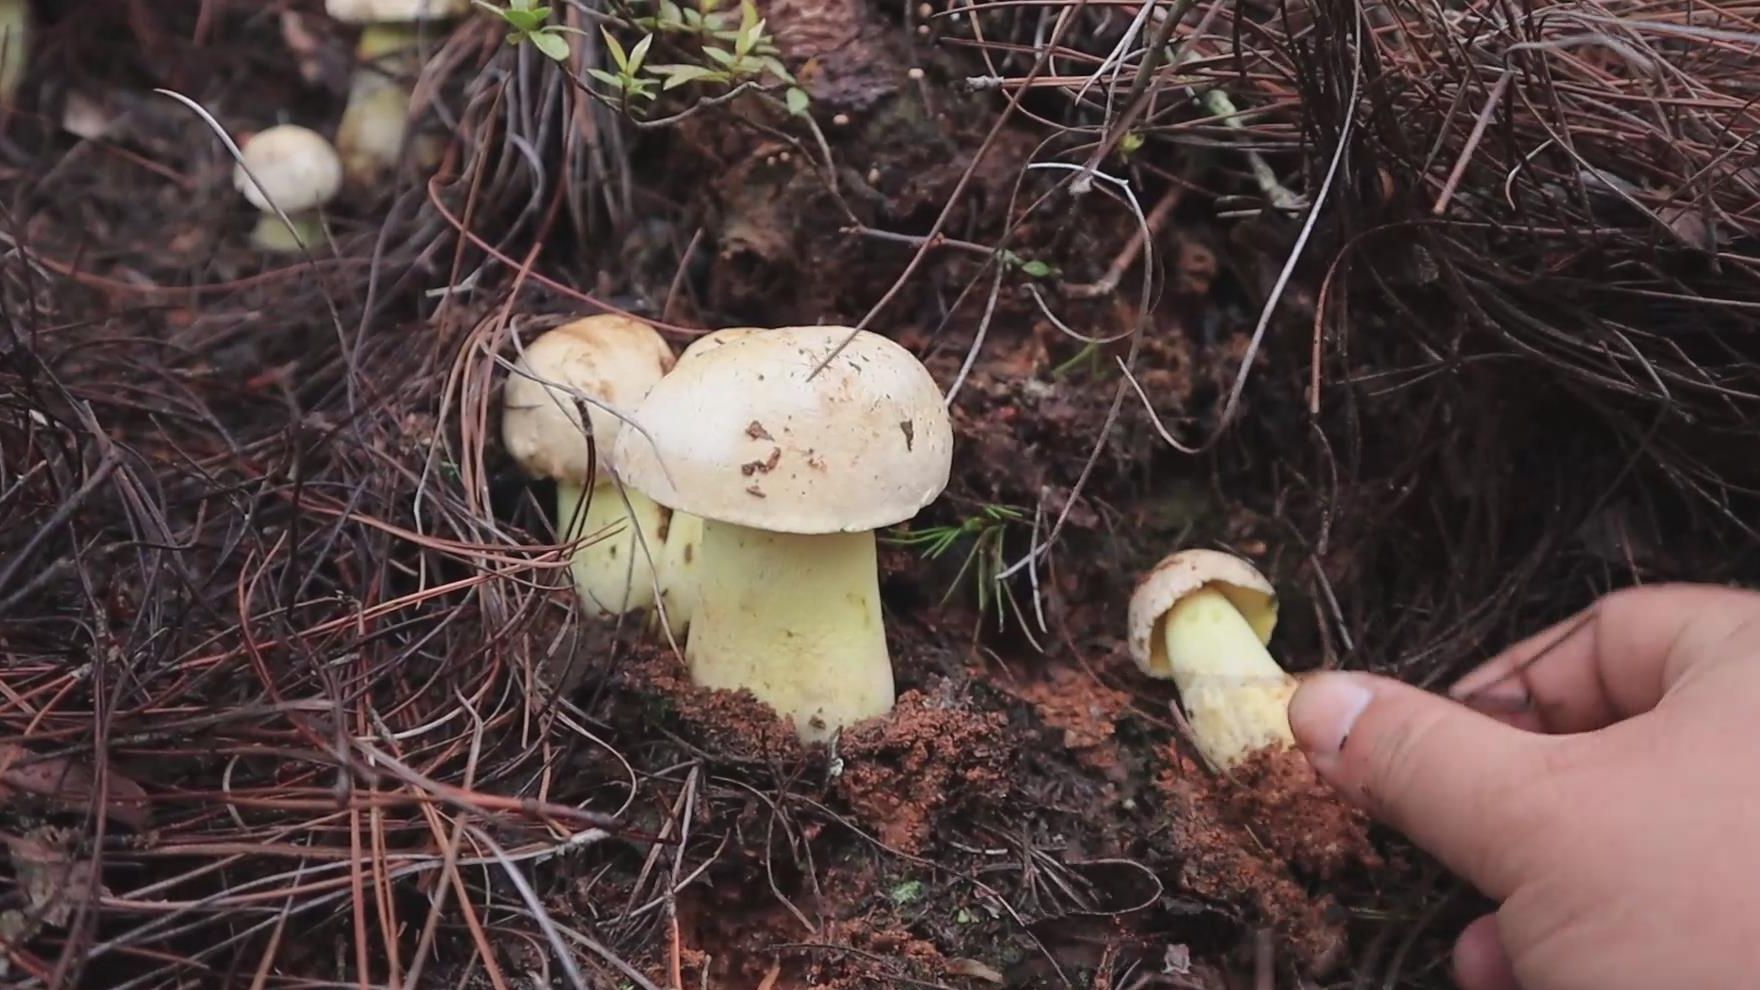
(766, 432)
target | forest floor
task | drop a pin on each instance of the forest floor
(294, 692)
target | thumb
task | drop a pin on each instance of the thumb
(1459, 784)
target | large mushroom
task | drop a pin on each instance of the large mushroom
(1202, 618)
(681, 559)
(375, 122)
(793, 451)
(604, 364)
(293, 168)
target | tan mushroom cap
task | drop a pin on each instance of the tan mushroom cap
(298, 169)
(1182, 573)
(613, 359)
(390, 11)
(745, 433)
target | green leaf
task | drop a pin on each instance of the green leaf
(721, 55)
(618, 55)
(670, 13)
(551, 44)
(1036, 268)
(908, 892)
(678, 75)
(523, 21)
(709, 5)
(776, 68)
(693, 18)
(615, 82)
(797, 101)
(748, 38)
(748, 16)
(519, 4)
(639, 52)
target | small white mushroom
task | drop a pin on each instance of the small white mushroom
(1202, 618)
(791, 473)
(295, 169)
(375, 123)
(613, 361)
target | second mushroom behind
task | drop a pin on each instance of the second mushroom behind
(1202, 618)
(294, 169)
(793, 445)
(375, 123)
(611, 362)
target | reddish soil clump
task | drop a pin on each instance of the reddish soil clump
(729, 723)
(1084, 710)
(1276, 794)
(930, 755)
(1243, 844)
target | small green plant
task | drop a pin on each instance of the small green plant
(627, 80)
(987, 531)
(1087, 359)
(528, 24)
(1030, 267)
(906, 893)
(734, 49)
(734, 52)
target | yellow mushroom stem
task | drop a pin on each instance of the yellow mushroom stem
(680, 560)
(15, 42)
(612, 570)
(1235, 696)
(796, 621)
(375, 123)
(270, 234)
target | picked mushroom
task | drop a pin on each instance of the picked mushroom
(605, 364)
(792, 467)
(1203, 618)
(375, 123)
(293, 168)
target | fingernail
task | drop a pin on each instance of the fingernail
(1325, 709)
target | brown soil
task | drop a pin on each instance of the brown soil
(1226, 855)
(1085, 711)
(1297, 816)
(733, 724)
(933, 755)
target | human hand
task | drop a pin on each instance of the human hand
(1614, 813)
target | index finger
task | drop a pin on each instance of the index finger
(1612, 661)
